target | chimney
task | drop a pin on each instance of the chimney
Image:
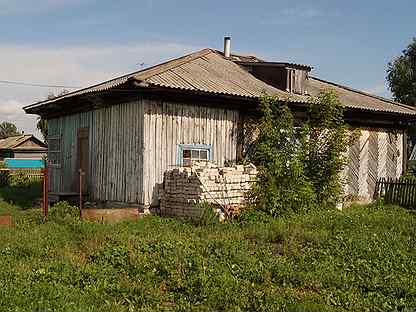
(227, 46)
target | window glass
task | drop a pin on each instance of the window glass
(203, 154)
(186, 153)
(195, 154)
(190, 154)
(54, 151)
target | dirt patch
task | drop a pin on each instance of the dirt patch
(6, 221)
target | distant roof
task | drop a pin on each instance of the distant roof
(14, 142)
(208, 71)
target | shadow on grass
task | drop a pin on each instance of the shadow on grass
(24, 197)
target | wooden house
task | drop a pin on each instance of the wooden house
(22, 146)
(126, 132)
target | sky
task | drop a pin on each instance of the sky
(76, 43)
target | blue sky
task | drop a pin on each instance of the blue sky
(79, 42)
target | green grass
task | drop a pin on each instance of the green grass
(361, 259)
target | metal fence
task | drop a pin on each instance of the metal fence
(400, 192)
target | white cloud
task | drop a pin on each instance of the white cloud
(73, 66)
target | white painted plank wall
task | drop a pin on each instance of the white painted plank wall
(169, 124)
(389, 157)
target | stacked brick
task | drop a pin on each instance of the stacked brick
(186, 187)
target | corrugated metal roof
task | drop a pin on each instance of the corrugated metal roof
(13, 142)
(210, 72)
(360, 100)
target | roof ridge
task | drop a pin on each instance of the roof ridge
(363, 93)
(168, 65)
(23, 139)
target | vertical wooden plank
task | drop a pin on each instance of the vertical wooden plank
(363, 173)
(142, 152)
(217, 135)
(354, 168)
(372, 161)
(404, 151)
(399, 148)
(175, 132)
(391, 155)
(382, 153)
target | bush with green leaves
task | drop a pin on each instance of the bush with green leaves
(326, 140)
(4, 177)
(300, 167)
(63, 212)
(282, 185)
(20, 180)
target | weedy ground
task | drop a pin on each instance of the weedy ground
(360, 259)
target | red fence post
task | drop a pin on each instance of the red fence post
(45, 192)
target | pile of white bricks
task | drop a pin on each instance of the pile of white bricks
(184, 188)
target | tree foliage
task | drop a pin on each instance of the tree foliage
(42, 126)
(326, 141)
(401, 75)
(42, 123)
(299, 167)
(8, 129)
(282, 184)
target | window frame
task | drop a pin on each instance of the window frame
(57, 152)
(181, 147)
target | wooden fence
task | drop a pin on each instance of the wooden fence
(397, 192)
(18, 176)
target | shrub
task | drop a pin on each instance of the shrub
(300, 168)
(209, 215)
(20, 179)
(326, 141)
(282, 185)
(4, 177)
(63, 213)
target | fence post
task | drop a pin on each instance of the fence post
(45, 192)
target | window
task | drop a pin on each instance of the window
(189, 153)
(54, 151)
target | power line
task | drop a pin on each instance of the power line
(28, 84)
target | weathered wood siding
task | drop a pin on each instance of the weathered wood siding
(116, 152)
(166, 125)
(29, 155)
(116, 147)
(66, 128)
(132, 144)
(378, 153)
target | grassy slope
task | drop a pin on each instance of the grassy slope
(360, 259)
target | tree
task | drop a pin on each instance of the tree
(8, 129)
(401, 76)
(42, 126)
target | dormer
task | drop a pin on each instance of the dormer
(284, 76)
